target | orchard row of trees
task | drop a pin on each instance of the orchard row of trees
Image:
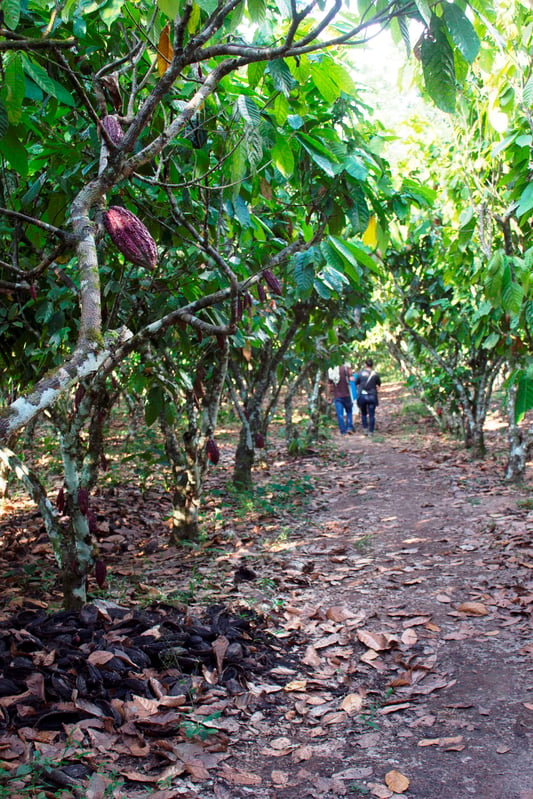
(237, 134)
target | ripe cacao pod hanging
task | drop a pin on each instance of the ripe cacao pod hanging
(213, 453)
(273, 282)
(60, 500)
(100, 571)
(130, 237)
(261, 293)
(259, 440)
(83, 501)
(113, 128)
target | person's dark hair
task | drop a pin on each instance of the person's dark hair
(369, 362)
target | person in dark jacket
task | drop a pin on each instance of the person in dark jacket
(339, 392)
(368, 381)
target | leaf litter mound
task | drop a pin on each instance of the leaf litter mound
(126, 680)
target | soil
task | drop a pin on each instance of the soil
(434, 537)
(400, 592)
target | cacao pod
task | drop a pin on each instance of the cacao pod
(60, 500)
(33, 292)
(93, 522)
(100, 573)
(130, 236)
(259, 440)
(261, 293)
(213, 453)
(83, 501)
(272, 282)
(113, 128)
(221, 341)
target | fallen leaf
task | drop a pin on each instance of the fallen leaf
(295, 685)
(238, 777)
(280, 778)
(339, 613)
(396, 781)
(352, 703)
(473, 608)
(379, 790)
(442, 742)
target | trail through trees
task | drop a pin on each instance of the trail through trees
(398, 593)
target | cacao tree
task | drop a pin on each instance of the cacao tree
(127, 130)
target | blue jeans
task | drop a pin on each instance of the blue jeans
(342, 405)
(368, 414)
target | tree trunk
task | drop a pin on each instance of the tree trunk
(244, 461)
(518, 442)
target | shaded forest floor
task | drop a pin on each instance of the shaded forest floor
(390, 580)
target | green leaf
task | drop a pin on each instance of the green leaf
(154, 405)
(14, 88)
(111, 11)
(257, 10)
(46, 83)
(255, 72)
(359, 213)
(524, 397)
(14, 152)
(527, 94)
(512, 298)
(320, 154)
(281, 109)
(462, 31)
(11, 11)
(425, 11)
(324, 82)
(525, 203)
(438, 67)
(170, 8)
(491, 341)
(33, 191)
(248, 110)
(282, 157)
(304, 271)
(355, 167)
(281, 76)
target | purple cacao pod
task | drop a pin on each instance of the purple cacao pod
(213, 453)
(113, 128)
(259, 440)
(100, 571)
(83, 501)
(261, 293)
(60, 500)
(273, 282)
(130, 237)
(93, 522)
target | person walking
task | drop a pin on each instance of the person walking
(340, 394)
(368, 381)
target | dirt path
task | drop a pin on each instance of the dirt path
(406, 595)
(399, 593)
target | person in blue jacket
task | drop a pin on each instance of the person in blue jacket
(367, 382)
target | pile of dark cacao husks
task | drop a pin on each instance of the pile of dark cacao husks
(61, 669)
